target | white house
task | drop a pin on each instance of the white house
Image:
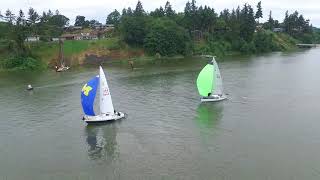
(55, 39)
(32, 39)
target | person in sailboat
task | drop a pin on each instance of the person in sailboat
(117, 113)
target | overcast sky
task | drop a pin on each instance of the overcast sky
(99, 9)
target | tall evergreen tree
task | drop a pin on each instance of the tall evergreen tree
(113, 18)
(33, 17)
(270, 21)
(124, 12)
(20, 33)
(49, 14)
(9, 17)
(139, 11)
(188, 16)
(129, 12)
(168, 10)
(158, 12)
(247, 26)
(259, 11)
(80, 21)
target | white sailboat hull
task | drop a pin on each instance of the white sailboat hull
(103, 118)
(213, 98)
(64, 68)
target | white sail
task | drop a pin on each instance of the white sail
(106, 106)
(218, 90)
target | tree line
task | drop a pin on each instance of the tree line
(164, 31)
(168, 32)
(16, 28)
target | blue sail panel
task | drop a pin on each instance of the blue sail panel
(88, 94)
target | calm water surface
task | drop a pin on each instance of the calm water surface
(268, 129)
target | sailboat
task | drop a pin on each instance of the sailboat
(88, 94)
(62, 67)
(209, 83)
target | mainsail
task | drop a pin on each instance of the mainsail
(88, 95)
(205, 81)
(106, 106)
(218, 89)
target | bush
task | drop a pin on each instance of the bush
(248, 48)
(307, 38)
(217, 48)
(237, 43)
(21, 63)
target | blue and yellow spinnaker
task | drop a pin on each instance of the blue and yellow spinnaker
(88, 94)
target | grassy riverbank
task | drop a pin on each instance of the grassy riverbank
(45, 54)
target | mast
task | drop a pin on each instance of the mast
(61, 59)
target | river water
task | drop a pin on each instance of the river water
(268, 129)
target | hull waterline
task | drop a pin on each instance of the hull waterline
(103, 118)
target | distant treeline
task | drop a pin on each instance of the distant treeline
(163, 31)
(168, 32)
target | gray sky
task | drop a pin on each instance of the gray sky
(99, 9)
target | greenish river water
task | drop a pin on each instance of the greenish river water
(268, 129)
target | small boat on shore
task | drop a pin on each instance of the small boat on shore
(63, 68)
(88, 94)
(29, 87)
(209, 83)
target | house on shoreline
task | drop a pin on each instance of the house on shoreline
(81, 36)
(32, 39)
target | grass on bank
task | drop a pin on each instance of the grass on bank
(44, 52)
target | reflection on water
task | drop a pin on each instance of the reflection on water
(209, 114)
(102, 142)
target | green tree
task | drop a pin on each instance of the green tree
(80, 21)
(188, 16)
(206, 19)
(263, 42)
(49, 14)
(169, 12)
(20, 34)
(130, 12)
(158, 12)
(139, 11)
(247, 23)
(33, 16)
(94, 22)
(9, 17)
(259, 11)
(133, 29)
(167, 38)
(113, 18)
(270, 24)
(56, 23)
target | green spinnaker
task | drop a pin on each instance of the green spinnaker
(205, 81)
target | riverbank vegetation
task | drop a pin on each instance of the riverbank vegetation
(162, 32)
